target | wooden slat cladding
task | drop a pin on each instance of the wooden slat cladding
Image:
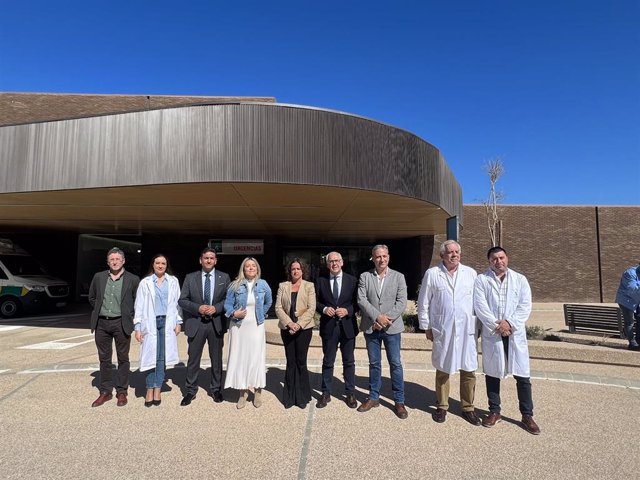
(263, 143)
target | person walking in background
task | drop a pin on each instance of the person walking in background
(157, 323)
(247, 303)
(202, 303)
(112, 295)
(337, 305)
(382, 298)
(295, 308)
(628, 298)
(445, 313)
(502, 302)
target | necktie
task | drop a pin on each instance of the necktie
(336, 292)
(207, 289)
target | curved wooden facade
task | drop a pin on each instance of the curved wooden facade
(232, 168)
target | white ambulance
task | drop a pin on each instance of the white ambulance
(25, 287)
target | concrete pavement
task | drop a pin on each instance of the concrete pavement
(586, 410)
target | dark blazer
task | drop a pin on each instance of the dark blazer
(96, 296)
(192, 297)
(347, 299)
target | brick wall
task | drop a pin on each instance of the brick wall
(556, 247)
(619, 245)
(17, 108)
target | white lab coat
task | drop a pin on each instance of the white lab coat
(517, 311)
(145, 315)
(446, 307)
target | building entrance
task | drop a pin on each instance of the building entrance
(356, 258)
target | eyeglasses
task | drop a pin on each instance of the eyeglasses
(334, 261)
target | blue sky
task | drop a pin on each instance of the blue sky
(551, 86)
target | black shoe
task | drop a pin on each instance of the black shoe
(148, 404)
(351, 401)
(323, 400)
(472, 418)
(157, 402)
(634, 348)
(187, 399)
(217, 396)
(440, 415)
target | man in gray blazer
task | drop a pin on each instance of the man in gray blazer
(382, 297)
(112, 295)
(202, 302)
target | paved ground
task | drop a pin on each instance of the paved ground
(587, 411)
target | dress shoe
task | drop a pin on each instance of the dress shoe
(156, 402)
(351, 400)
(187, 399)
(401, 411)
(323, 400)
(122, 399)
(368, 404)
(472, 418)
(634, 348)
(104, 397)
(257, 398)
(529, 425)
(440, 415)
(242, 400)
(217, 396)
(148, 398)
(491, 419)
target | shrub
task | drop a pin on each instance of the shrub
(535, 332)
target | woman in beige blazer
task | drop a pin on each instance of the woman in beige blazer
(295, 307)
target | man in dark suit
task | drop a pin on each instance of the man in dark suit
(336, 302)
(112, 295)
(202, 302)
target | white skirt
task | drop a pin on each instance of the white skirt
(246, 366)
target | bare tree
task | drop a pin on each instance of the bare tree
(494, 169)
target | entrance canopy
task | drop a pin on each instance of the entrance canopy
(240, 168)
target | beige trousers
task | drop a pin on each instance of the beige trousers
(467, 390)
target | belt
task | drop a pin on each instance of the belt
(103, 317)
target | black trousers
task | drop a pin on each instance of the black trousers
(297, 390)
(107, 333)
(523, 386)
(329, 349)
(205, 334)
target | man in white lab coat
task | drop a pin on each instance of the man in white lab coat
(445, 312)
(502, 302)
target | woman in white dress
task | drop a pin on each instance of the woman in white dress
(248, 300)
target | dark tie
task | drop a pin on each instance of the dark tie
(207, 289)
(336, 292)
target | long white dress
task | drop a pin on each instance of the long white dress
(246, 366)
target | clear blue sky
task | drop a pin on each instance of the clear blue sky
(552, 86)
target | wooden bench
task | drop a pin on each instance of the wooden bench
(593, 319)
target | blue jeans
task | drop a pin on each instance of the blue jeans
(155, 377)
(374, 350)
(631, 318)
